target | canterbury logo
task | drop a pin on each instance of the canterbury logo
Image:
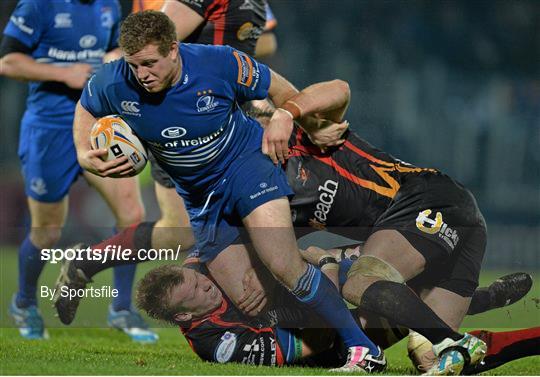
(433, 226)
(130, 106)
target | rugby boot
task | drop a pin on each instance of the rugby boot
(72, 278)
(359, 360)
(509, 289)
(504, 291)
(28, 320)
(131, 323)
(454, 355)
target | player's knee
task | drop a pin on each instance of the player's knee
(369, 266)
(130, 215)
(352, 291)
(45, 236)
(366, 270)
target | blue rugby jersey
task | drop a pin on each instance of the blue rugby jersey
(63, 32)
(195, 129)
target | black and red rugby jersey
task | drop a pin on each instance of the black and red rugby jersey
(346, 189)
(227, 335)
(237, 23)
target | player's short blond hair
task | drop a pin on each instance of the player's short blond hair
(148, 27)
(153, 292)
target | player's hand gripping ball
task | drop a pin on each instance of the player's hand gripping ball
(114, 134)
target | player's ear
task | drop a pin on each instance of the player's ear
(182, 317)
(174, 50)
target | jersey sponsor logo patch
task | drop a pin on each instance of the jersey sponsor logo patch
(324, 205)
(255, 353)
(197, 3)
(173, 132)
(19, 22)
(130, 108)
(63, 21)
(200, 141)
(38, 186)
(264, 190)
(247, 5)
(107, 19)
(206, 103)
(245, 68)
(248, 31)
(437, 226)
(88, 41)
(302, 174)
(73, 56)
(225, 348)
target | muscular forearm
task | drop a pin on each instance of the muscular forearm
(81, 129)
(328, 99)
(280, 89)
(22, 67)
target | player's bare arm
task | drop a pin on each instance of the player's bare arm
(328, 99)
(325, 260)
(185, 19)
(320, 108)
(20, 66)
(88, 158)
(277, 133)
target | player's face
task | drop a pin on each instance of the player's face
(154, 71)
(197, 295)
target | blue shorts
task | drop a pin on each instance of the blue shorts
(48, 158)
(248, 183)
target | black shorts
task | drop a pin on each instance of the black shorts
(159, 175)
(441, 219)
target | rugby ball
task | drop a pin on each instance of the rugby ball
(113, 133)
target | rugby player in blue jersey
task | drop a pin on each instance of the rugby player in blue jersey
(187, 99)
(56, 46)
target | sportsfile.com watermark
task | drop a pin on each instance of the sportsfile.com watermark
(109, 253)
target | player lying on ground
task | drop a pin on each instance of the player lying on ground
(505, 347)
(379, 196)
(290, 333)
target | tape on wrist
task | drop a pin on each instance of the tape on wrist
(327, 259)
(286, 111)
(293, 108)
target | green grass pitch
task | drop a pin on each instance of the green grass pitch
(88, 347)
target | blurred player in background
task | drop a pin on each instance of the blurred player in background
(56, 46)
(245, 25)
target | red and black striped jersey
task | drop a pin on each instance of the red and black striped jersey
(226, 335)
(237, 23)
(346, 189)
